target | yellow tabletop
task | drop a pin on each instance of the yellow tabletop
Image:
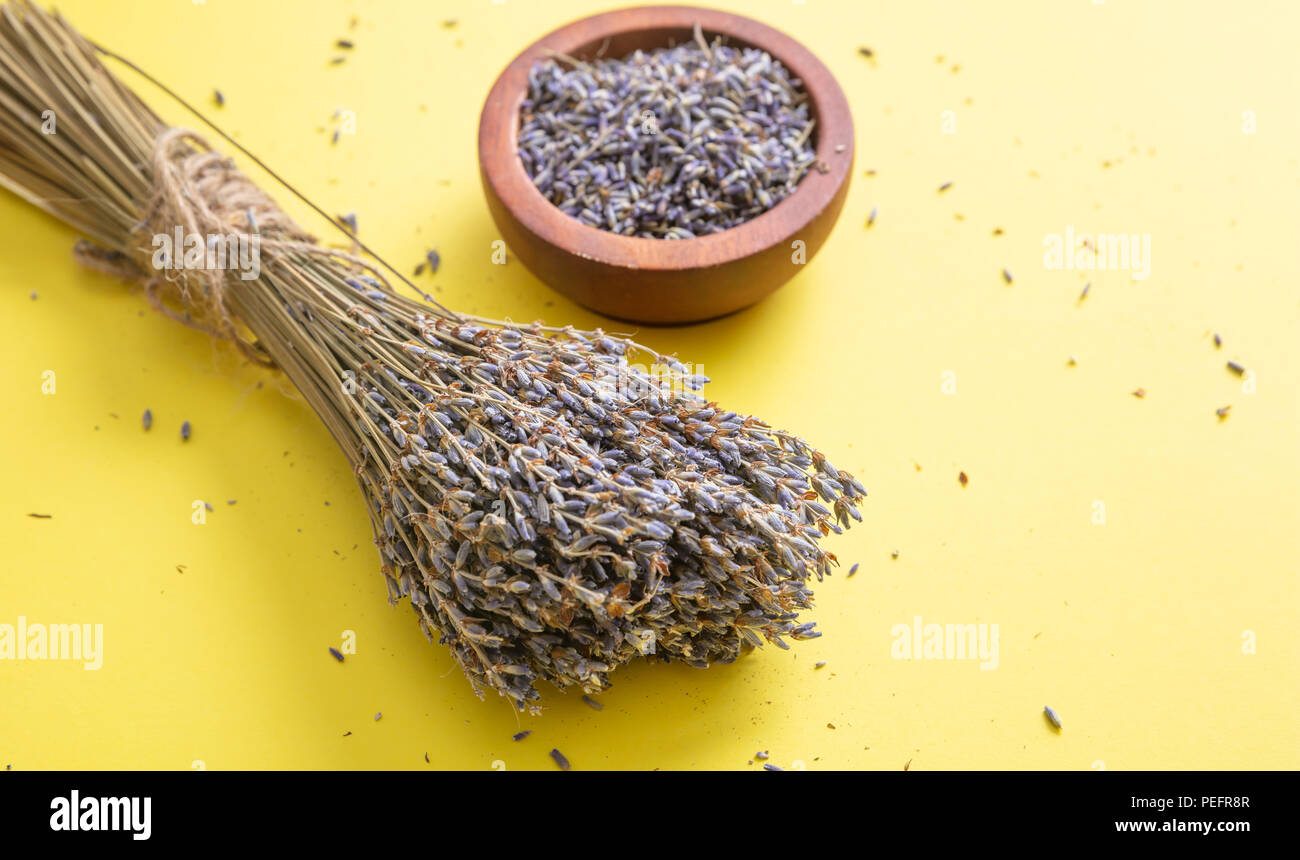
(1131, 561)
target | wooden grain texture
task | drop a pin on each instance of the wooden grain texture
(662, 281)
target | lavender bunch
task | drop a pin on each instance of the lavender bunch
(549, 510)
(670, 144)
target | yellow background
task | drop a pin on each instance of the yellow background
(1121, 117)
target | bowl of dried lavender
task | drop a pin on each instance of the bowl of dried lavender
(665, 164)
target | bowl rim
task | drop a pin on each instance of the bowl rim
(502, 168)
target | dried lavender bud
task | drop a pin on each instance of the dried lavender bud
(560, 759)
(146, 420)
(185, 430)
(1052, 716)
(670, 144)
(521, 735)
(552, 512)
(337, 655)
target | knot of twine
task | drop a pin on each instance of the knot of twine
(205, 195)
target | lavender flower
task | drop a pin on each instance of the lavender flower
(671, 144)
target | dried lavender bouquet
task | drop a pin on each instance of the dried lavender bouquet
(544, 523)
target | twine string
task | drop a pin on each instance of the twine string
(205, 195)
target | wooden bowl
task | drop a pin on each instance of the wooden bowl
(661, 280)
